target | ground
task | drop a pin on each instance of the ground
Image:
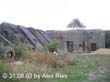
(86, 68)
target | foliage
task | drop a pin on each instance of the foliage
(75, 23)
(53, 46)
(21, 50)
(1, 45)
(78, 67)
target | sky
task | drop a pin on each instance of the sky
(56, 14)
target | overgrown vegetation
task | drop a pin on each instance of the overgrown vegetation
(21, 50)
(78, 67)
(53, 46)
(4, 69)
(1, 45)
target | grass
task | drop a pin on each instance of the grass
(78, 68)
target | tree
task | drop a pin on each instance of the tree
(75, 23)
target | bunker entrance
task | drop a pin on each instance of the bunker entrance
(93, 46)
(70, 46)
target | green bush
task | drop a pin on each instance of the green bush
(53, 46)
(21, 50)
(1, 45)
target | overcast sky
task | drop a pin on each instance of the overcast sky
(56, 14)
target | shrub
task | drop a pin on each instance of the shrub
(21, 50)
(48, 59)
(1, 45)
(45, 58)
(52, 60)
(53, 46)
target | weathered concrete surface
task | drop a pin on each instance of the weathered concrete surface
(36, 39)
(6, 47)
(5, 41)
(41, 36)
(11, 33)
(32, 39)
(82, 40)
